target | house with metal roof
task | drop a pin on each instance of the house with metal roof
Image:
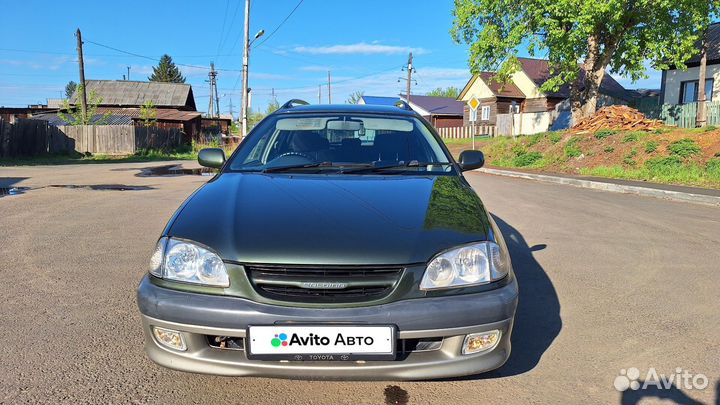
(523, 94)
(681, 86)
(441, 112)
(126, 93)
(174, 104)
(378, 100)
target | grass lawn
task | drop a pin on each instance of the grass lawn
(188, 153)
(669, 155)
(81, 159)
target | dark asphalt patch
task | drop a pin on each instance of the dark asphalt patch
(175, 170)
(394, 395)
(102, 187)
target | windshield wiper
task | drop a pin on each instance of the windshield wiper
(296, 167)
(412, 163)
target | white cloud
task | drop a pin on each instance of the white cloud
(360, 48)
(314, 68)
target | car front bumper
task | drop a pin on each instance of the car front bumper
(450, 319)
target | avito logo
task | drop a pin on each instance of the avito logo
(279, 339)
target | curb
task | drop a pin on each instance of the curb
(612, 187)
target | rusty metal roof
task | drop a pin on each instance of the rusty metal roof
(162, 114)
(132, 93)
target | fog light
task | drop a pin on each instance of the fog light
(169, 338)
(480, 342)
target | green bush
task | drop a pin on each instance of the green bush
(663, 164)
(534, 139)
(709, 128)
(651, 146)
(518, 149)
(628, 160)
(554, 137)
(526, 159)
(571, 148)
(604, 133)
(631, 137)
(609, 149)
(684, 148)
(713, 167)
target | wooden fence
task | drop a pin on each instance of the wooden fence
(682, 115)
(466, 132)
(28, 137)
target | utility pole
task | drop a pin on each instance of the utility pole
(329, 91)
(231, 109)
(319, 93)
(214, 103)
(128, 76)
(83, 99)
(246, 55)
(409, 77)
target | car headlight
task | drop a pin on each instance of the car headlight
(188, 262)
(468, 265)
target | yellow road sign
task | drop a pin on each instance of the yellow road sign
(473, 103)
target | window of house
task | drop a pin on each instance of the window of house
(514, 108)
(485, 113)
(689, 91)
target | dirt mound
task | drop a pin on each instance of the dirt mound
(617, 117)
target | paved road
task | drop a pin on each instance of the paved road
(608, 281)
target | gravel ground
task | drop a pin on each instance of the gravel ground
(608, 281)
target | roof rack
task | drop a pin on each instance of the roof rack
(294, 103)
(403, 105)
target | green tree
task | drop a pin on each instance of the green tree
(166, 71)
(355, 97)
(70, 89)
(451, 91)
(272, 106)
(254, 118)
(148, 113)
(602, 35)
(73, 114)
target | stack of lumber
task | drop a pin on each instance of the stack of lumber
(617, 117)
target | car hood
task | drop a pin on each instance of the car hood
(331, 219)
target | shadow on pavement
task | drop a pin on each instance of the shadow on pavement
(7, 182)
(673, 394)
(537, 320)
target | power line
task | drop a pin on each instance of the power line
(227, 35)
(279, 25)
(222, 30)
(137, 55)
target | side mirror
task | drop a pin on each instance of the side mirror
(471, 159)
(211, 157)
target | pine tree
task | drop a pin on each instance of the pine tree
(70, 89)
(166, 71)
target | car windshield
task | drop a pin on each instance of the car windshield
(353, 143)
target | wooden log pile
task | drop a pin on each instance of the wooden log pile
(617, 117)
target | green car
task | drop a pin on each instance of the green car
(337, 241)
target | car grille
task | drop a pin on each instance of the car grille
(323, 284)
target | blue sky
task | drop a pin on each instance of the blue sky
(364, 44)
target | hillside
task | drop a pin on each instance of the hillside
(663, 155)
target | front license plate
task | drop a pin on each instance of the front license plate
(321, 343)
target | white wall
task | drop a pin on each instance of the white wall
(531, 123)
(673, 78)
(526, 123)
